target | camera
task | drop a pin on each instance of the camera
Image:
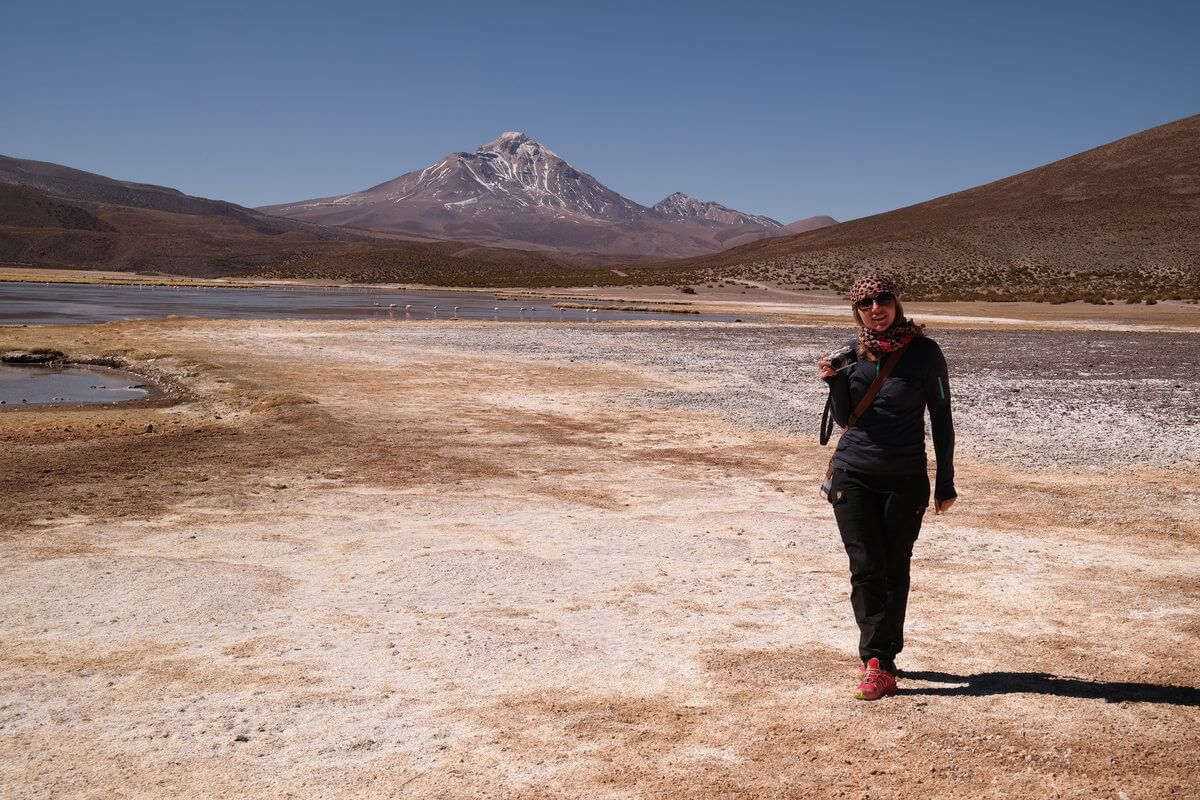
(843, 358)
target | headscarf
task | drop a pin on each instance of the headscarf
(902, 330)
(873, 284)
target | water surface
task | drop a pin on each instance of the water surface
(34, 384)
(30, 303)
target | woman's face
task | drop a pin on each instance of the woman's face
(880, 316)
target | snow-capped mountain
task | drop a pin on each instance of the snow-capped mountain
(513, 173)
(515, 191)
(687, 207)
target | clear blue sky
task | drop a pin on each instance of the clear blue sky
(782, 108)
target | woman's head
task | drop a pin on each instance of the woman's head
(875, 300)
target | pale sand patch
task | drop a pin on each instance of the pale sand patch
(475, 573)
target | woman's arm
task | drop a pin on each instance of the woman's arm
(839, 391)
(941, 423)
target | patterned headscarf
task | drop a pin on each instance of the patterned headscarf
(873, 284)
(902, 331)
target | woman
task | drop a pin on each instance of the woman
(880, 487)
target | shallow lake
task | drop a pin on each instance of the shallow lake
(30, 303)
(30, 384)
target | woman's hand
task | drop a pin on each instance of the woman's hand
(942, 506)
(823, 366)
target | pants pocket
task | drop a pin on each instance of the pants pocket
(837, 494)
(904, 512)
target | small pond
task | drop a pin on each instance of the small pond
(36, 384)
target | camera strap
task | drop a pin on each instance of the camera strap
(863, 405)
(867, 399)
(873, 389)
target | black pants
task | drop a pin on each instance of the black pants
(879, 517)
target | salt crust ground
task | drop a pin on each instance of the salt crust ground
(587, 561)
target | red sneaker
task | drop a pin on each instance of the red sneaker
(876, 682)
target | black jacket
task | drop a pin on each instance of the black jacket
(889, 439)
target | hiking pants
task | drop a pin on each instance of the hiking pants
(879, 517)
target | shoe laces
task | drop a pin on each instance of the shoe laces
(877, 676)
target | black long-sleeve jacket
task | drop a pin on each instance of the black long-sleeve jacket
(889, 438)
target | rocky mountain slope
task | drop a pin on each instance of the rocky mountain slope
(514, 191)
(689, 208)
(1121, 221)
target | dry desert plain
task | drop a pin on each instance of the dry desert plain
(588, 561)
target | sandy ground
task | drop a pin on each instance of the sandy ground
(589, 561)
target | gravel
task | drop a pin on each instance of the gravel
(1030, 399)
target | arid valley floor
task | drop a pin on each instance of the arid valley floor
(588, 561)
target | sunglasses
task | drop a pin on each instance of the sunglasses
(881, 299)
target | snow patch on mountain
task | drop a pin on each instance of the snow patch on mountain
(684, 206)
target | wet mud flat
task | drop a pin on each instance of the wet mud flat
(463, 560)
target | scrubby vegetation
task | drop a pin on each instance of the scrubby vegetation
(926, 274)
(930, 269)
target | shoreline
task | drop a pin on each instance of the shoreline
(769, 305)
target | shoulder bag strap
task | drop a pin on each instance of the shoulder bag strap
(873, 390)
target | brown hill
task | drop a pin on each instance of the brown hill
(67, 183)
(39, 230)
(25, 208)
(810, 224)
(53, 215)
(1119, 221)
